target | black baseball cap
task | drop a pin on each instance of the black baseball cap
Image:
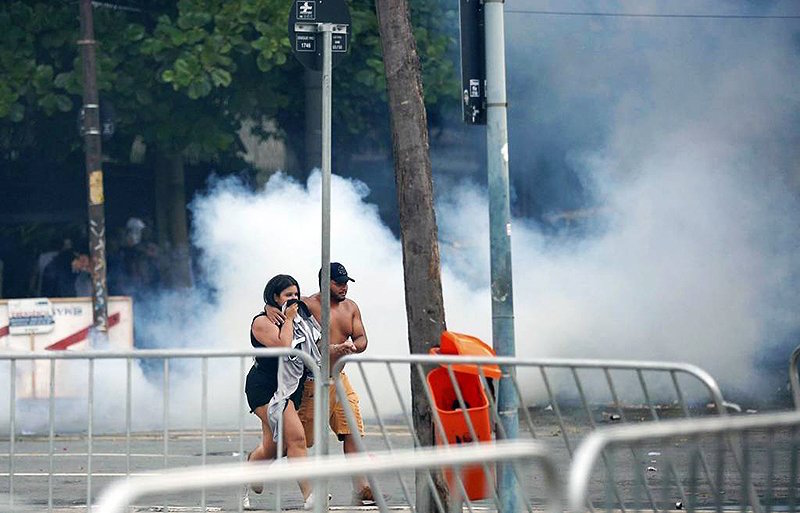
(338, 273)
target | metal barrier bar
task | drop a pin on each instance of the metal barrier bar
(544, 365)
(91, 357)
(730, 434)
(501, 429)
(770, 470)
(374, 403)
(120, 494)
(280, 446)
(474, 435)
(12, 429)
(90, 437)
(51, 432)
(165, 424)
(793, 472)
(410, 421)
(128, 414)
(794, 376)
(203, 422)
(554, 404)
(621, 412)
(242, 454)
(609, 465)
(637, 371)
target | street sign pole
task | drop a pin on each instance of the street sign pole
(326, 24)
(325, 285)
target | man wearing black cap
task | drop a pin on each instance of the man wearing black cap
(347, 336)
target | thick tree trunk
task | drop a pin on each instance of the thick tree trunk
(173, 234)
(412, 164)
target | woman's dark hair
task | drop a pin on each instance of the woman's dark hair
(276, 285)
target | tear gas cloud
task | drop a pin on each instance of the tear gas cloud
(683, 134)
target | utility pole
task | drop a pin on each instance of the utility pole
(500, 232)
(94, 175)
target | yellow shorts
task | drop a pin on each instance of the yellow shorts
(338, 419)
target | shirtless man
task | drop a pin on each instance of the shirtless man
(347, 336)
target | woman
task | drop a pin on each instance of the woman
(274, 391)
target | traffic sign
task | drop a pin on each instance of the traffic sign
(305, 36)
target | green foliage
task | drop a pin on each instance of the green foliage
(28, 58)
(185, 75)
(360, 98)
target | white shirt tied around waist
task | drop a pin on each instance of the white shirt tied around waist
(305, 336)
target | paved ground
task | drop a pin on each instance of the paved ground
(68, 487)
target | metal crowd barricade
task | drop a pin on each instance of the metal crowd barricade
(566, 399)
(765, 476)
(794, 376)
(22, 470)
(117, 497)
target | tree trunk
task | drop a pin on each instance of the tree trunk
(418, 232)
(173, 234)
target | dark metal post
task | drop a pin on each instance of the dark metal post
(94, 173)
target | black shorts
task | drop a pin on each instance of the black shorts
(261, 386)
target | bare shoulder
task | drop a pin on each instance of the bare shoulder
(351, 306)
(262, 324)
(314, 304)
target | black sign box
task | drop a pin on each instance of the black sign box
(473, 62)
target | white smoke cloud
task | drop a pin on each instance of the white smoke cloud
(685, 131)
(690, 152)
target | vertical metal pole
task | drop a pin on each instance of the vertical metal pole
(94, 176)
(90, 437)
(32, 341)
(500, 232)
(321, 497)
(12, 427)
(279, 450)
(166, 420)
(242, 374)
(51, 416)
(204, 425)
(128, 409)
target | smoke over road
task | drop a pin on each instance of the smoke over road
(674, 143)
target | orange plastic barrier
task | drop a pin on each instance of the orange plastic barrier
(454, 420)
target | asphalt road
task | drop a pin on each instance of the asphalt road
(643, 476)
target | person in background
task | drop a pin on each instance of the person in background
(133, 268)
(58, 280)
(83, 275)
(44, 258)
